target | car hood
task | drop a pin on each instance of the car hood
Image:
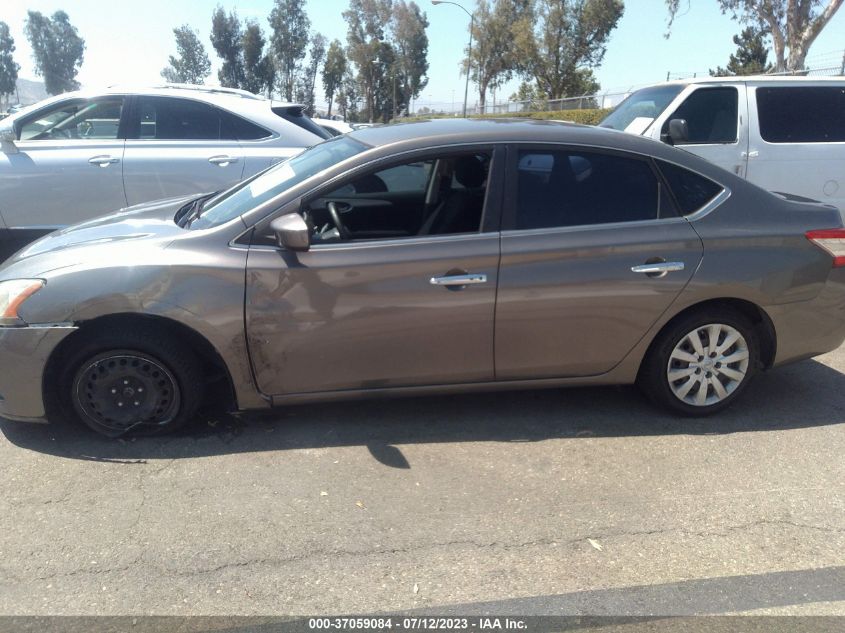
(146, 225)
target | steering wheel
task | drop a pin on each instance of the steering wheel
(345, 233)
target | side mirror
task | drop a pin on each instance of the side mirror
(678, 132)
(7, 140)
(291, 232)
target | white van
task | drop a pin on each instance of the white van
(785, 134)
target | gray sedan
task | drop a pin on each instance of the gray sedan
(430, 257)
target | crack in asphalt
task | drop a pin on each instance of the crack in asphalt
(276, 561)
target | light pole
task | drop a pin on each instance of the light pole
(469, 50)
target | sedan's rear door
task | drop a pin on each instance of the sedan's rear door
(592, 254)
(178, 146)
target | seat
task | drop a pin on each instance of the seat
(460, 209)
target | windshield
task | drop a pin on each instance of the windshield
(270, 183)
(637, 112)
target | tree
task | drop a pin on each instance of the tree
(493, 60)
(57, 49)
(411, 47)
(8, 68)
(387, 92)
(751, 57)
(570, 42)
(227, 40)
(290, 25)
(333, 72)
(793, 24)
(259, 69)
(316, 56)
(348, 97)
(529, 96)
(365, 35)
(192, 66)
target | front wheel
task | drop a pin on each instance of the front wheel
(131, 380)
(700, 364)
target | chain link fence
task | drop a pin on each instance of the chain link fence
(825, 65)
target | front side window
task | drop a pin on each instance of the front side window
(560, 188)
(440, 195)
(802, 114)
(711, 115)
(78, 119)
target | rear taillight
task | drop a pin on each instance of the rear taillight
(832, 241)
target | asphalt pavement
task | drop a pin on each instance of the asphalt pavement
(578, 501)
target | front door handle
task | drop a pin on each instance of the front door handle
(464, 279)
(104, 160)
(658, 269)
(223, 161)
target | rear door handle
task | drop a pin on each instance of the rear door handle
(458, 280)
(658, 269)
(104, 160)
(223, 161)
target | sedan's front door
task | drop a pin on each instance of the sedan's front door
(592, 254)
(68, 166)
(368, 316)
(364, 313)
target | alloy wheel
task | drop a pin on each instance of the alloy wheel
(708, 364)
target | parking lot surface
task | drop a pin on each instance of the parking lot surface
(581, 501)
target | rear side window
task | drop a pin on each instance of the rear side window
(691, 191)
(166, 118)
(802, 114)
(572, 188)
(711, 115)
(236, 128)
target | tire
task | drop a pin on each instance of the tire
(703, 384)
(126, 379)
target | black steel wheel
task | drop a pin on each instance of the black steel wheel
(130, 380)
(123, 390)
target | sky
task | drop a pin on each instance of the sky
(129, 41)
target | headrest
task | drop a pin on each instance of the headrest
(469, 171)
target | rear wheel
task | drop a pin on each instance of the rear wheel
(131, 380)
(700, 364)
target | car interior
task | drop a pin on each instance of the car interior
(438, 196)
(568, 189)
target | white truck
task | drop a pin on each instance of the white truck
(785, 134)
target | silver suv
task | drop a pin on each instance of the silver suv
(83, 154)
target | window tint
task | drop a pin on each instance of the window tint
(166, 118)
(442, 195)
(802, 114)
(711, 115)
(236, 128)
(572, 188)
(691, 191)
(94, 120)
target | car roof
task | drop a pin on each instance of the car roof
(226, 97)
(433, 132)
(754, 79)
(396, 138)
